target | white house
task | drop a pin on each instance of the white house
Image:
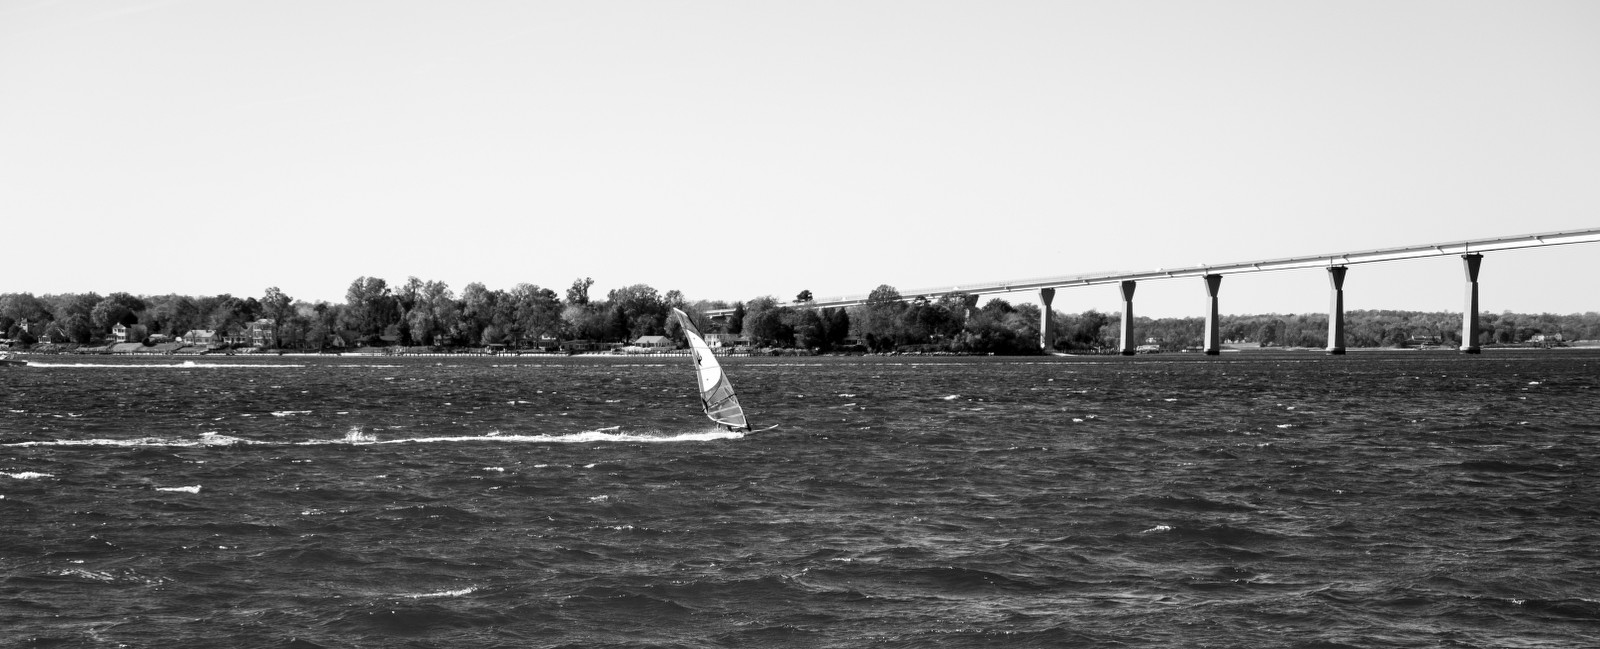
(724, 340)
(200, 337)
(654, 342)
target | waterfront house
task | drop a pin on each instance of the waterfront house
(121, 332)
(201, 337)
(726, 340)
(654, 342)
(263, 333)
(235, 335)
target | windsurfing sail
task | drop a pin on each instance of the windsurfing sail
(716, 393)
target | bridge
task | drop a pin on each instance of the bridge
(1471, 253)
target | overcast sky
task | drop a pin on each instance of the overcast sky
(737, 149)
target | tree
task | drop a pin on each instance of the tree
(115, 309)
(231, 313)
(76, 328)
(477, 312)
(434, 314)
(579, 293)
(880, 317)
(537, 313)
(645, 311)
(276, 305)
(736, 319)
(24, 307)
(767, 327)
(1083, 332)
(803, 297)
(369, 307)
(807, 328)
(618, 329)
(835, 326)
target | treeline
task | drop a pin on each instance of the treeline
(888, 323)
(418, 312)
(429, 313)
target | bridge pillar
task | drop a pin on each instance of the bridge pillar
(1047, 321)
(1469, 311)
(1129, 347)
(1213, 327)
(1336, 310)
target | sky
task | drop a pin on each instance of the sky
(736, 149)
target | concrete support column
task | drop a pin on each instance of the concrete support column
(1469, 311)
(1129, 347)
(1047, 320)
(1336, 310)
(971, 302)
(1213, 326)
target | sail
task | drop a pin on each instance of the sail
(716, 393)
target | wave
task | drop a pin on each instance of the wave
(601, 435)
(205, 439)
(356, 436)
(193, 489)
(184, 365)
(445, 593)
(27, 475)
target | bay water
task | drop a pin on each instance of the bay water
(1379, 499)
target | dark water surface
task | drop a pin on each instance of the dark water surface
(1375, 500)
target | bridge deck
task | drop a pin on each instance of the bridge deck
(1286, 263)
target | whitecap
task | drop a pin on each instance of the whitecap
(1158, 529)
(446, 593)
(357, 436)
(27, 475)
(952, 397)
(193, 489)
(93, 575)
(286, 413)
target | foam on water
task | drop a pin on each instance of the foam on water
(445, 593)
(205, 439)
(193, 489)
(601, 435)
(184, 365)
(357, 436)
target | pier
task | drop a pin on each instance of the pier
(1336, 264)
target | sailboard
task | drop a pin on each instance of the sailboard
(716, 392)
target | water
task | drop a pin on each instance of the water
(1374, 500)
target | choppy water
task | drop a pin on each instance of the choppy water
(1374, 500)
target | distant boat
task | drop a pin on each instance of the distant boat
(10, 360)
(716, 393)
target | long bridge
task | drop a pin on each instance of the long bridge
(1471, 253)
